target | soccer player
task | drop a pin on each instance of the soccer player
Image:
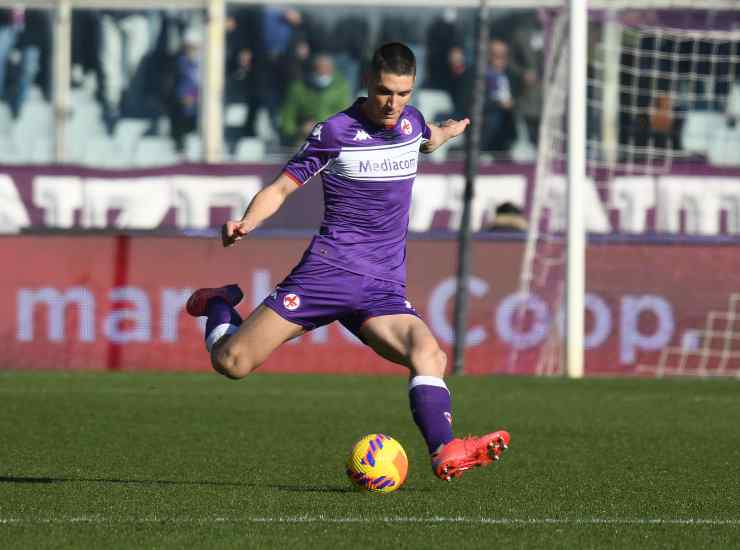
(353, 271)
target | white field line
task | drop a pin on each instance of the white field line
(381, 520)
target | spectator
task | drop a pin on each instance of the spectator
(315, 98)
(127, 36)
(33, 43)
(11, 24)
(459, 83)
(442, 35)
(650, 122)
(351, 48)
(242, 87)
(184, 108)
(509, 218)
(86, 40)
(527, 66)
(280, 29)
(295, 64)
(499, 128)
(243, 76)
(316, 30)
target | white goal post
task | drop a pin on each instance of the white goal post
(647, 95)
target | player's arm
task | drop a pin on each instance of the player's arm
(263, 205)
(444, 132)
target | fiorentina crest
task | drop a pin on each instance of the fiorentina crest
(406, 127)
(291, 301)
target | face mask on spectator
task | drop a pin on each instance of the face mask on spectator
(321, 80)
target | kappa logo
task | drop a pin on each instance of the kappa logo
(448, 416)
(316, 132)
(273, 295)
(408, 304)
(406, 126)
(361, 135)
(291, 301)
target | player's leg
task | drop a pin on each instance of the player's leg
(406, 339)
(237, 347)
(258, 336)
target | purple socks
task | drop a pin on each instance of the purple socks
(223, 319)
(431, 409)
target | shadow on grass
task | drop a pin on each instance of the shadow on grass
(50, 480)
(289, 488)
(30, 480)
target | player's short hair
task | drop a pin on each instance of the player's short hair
(394, 58)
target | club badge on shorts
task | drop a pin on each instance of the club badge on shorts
(291, 301)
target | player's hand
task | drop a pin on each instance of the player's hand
(454, 128)
(234, 230)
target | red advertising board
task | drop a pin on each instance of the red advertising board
(116, 302)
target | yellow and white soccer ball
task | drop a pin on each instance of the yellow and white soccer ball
(377, 464)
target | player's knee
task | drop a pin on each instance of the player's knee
(232, 362)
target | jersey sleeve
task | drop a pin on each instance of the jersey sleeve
(426, 133)
(317, 152)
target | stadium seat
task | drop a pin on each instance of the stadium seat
(235, 114)
(523, 150)
(76, 140)
(8, 151)
(103, 152)
(193, 148)
(87, 116)
(128, 131)
(42, 150)
(733, 101)
(263, 127)
(154, 151)
(35, 119)
(698, 131)
(433, 103)
(725, 145)
(6, 121)
(83, 126)
(35, 95)
(249, 150)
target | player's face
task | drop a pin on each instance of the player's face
(387, 95)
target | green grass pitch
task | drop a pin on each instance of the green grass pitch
(134, 460)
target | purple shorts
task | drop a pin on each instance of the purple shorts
(316, 293)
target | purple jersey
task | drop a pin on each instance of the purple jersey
(367, 172)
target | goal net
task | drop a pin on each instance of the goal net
(661, 196)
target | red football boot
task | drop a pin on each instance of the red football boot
(198, 301)
(460, 455)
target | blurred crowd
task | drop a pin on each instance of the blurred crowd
(295, 67)
(292, 65)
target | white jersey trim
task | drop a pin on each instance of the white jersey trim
(376, 147)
